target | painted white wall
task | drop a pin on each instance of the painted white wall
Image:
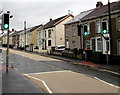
(60, 32)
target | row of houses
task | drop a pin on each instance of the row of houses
(89, 31)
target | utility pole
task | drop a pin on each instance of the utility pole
(110, 29)
(25, 34)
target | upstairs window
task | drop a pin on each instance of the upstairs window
(49, 33)
(98, 27)
(118, 25)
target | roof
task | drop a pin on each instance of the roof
(103, 10)
(54, 22)
(29, 29)
(16, 33)
(79, 16)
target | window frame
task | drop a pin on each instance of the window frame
(97, 26)
(96, 44)
(118, 21)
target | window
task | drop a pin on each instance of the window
(93, 44)
(98, 28)
(87, 44)
(49, 33)
(118, 47)
(118, 25)
(67, 44)
(73, 29)
(98, 44)
(66, 30)
(73, 44)
(49, 42)
(45, 34)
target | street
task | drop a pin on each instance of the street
(26, 63)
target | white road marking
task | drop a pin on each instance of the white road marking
(110, 71)
(48, 72)
(107, 83)
(48, 89)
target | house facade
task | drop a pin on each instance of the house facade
(54, 32)
(32, 36)
(97, 34)
(73, 37)
(41, 38)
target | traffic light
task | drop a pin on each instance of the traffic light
(104, 27)
(5, 21)
(85, 30)
(79, 30)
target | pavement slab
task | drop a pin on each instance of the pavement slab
(69, 82)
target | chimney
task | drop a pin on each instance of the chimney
(99, 4)
(50, 19)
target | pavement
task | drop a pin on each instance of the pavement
(12, 82)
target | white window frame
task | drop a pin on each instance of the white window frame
(118, 49)
(98, 23)
(74, 44)
(96, 44)
(118, 25)
(86, 44)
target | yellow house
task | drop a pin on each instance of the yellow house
(31, 36)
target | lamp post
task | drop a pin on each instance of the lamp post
(25, 34)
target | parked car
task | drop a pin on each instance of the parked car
(60, 48)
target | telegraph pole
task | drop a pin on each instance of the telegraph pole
(25, 34)
(110, 29)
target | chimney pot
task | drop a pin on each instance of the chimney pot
(50, 19)
(99, 4)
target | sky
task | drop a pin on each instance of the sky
(36, 12)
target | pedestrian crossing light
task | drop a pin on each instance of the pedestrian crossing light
(5, 21)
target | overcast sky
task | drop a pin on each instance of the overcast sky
(37, 12)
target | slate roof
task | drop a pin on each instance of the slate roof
(79, 16)
(103, 10)
(53, 22)
(29, 29)
(16, 33)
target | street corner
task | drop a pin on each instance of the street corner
(68, 82)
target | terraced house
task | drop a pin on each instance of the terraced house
(97, 35)
(73, 37)
(53, 32)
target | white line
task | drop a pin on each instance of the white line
(48, 89)
(110, 71)
(48, 72)
(107, 83)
